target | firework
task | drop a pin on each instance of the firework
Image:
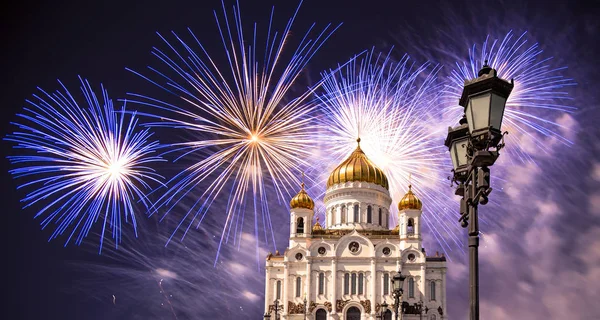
(392, 106)
(84, 164)
(536, 103)
(148, 280)
(242, 130)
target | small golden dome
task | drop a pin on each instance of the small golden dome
(302, 200)
(396, 230)
(410, 201)
(317, 226)
(358, 168)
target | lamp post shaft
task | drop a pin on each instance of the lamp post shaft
(473, 247)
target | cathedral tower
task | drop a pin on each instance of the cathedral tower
(409, 220)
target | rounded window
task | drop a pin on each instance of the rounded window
(411, 257)
(387, 251)
(322, 250)
(353, 246)
(299, 256)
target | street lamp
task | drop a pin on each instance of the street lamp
(397, 282)
(305, 307)
(420, 309)
(484, 99)
(276, 308)
(384, 308)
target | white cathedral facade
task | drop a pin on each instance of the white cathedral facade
(343, 270)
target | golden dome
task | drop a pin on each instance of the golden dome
(302, 200)
(410, 201)
(317, 226)
(358, 168)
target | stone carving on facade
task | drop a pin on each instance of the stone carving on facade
(328, 305)
(367, 305)
(440, 311)
(312, 306)
(340, 304)
(295, 308)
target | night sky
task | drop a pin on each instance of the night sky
(540, 260)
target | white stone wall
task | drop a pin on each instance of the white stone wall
(369, 255)
(369, 260)
(340, 200)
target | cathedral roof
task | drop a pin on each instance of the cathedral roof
(358, 168)
(410, 201)
(302, 200)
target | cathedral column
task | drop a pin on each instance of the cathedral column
(373, 282)
(333, 284)
(267, 291)
(286, 280)
(443, 294)
(423, 283)
(307, 284)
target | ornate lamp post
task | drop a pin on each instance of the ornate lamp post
(397, 282)
(420, 308)
(276, 308)
(384, 307)
(484, 100)
(305, 307)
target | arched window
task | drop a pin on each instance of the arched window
(380, 221)
(321, 314)
(298, 287)
(347, 283)
(344, 214)
(410, 227)
(354, 283)
(356, 213)
(387, 220)
(432, 290)
(369, 214)
(387, 315)
(411, 287)
(278, 290)
(321, 283)
(386, 284)
(360, 283)
(300, 226)
(353, 313)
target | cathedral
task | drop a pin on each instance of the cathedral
(343, 269)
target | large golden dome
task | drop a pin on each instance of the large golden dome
(358, 168)
(302, 200)
(410, 201)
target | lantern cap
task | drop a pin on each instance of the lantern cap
(487, 80)
(485, 69)
(461, 131)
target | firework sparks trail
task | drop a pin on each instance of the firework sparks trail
(164, 293)
(244, 130)
(85, 163)
(536, 99)
(177, 281)
(392, 106)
